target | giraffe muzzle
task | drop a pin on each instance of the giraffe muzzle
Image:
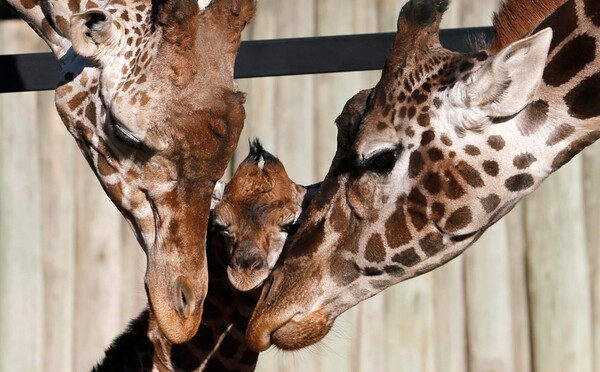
(184, 300)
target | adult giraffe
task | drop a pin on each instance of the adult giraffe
(443, 147)
(147, 91)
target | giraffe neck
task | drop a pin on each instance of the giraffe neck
(219, 344)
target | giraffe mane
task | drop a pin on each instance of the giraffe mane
(510, 25)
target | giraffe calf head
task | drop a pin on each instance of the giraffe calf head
(255, 212)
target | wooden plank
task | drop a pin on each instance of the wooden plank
(409, 326)
(132, 295)
(558, 273)
(294, 98)
(57, 154)
(450, 333)
(487, 277)
(591, 184)
(516, 242)
(98, 272)
(21, 286)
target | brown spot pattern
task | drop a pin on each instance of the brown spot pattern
(519, 182)
(496, 142)
(472, 150)
(469, 174)
(423, 120)
(427, 137)
(524, 161)
(490, 202)
(591, 10)
(534, 117)
(77, 100)
(415, 164)
(563, 23)
(343, 272)
(435, 154)
(560, 134)
(571, 59)
(396, 229)
(459, 219)
(437, 212)
(574, 148)
(375, 251)
(432, 243)
(407, 257)
(452, 188)
(584, 99)
(491, 167)
(446, 140)
(433, 183)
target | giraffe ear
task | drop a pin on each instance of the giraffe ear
(508, 81)
(92, 32)
(217, 195)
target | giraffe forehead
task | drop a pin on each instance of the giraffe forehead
(404, 104)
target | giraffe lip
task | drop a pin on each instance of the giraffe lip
(302, 330)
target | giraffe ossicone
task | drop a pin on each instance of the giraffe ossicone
(148, 93)
(250, 219)
(443, 147)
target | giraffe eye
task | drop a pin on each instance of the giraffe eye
(290, 228)
(221, 229)
(383, 162)
(127, 137)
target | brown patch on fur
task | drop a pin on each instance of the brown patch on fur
(459, 219)
(524, 161)
(396, 228)
(432, 243)
(574, 148)
(469, 174)
(510, 24)
(560, 134)
(375, 251)
(407, 257)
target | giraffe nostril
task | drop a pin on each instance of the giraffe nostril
(248, 261)
(183, 297)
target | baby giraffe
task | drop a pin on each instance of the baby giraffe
(252, 217)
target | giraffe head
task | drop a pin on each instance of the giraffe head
(148, 93)
(255, 212)
(426, 162)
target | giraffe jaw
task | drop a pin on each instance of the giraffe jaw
(294, 333)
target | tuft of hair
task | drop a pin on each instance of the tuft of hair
(258, 155)
(517, 18)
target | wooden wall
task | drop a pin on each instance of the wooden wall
(525, 298)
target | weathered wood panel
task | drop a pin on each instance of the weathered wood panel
(558, 274)
(21, 275)
(525, 298)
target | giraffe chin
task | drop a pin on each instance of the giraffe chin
(179, 330)
(177, 308)
(296, 334)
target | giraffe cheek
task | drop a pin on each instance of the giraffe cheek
(360, 196)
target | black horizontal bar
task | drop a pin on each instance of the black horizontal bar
(258, 58)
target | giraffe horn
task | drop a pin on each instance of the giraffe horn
(176, 14)
(418, 30)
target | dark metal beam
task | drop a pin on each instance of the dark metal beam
(259, 58)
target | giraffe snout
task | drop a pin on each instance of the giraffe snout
(184, 300)
(253, 261)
